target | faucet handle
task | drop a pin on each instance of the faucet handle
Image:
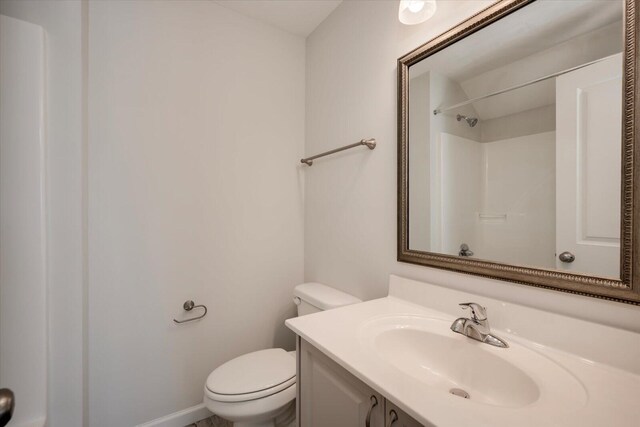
(478, 312)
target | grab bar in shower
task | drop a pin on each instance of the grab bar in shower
(370, 143)
(188, 306)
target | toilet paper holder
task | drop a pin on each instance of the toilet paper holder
(188, 306)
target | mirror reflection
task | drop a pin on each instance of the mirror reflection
(515, 141)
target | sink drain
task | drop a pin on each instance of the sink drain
(459, 392)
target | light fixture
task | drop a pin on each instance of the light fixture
(413, 12)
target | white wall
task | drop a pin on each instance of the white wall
(350, 204)
(529, 122)
(196, 128)
(419, 146)
(64, 111)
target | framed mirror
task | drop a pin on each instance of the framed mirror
(517, 147)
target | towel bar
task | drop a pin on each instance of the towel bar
(370, 143)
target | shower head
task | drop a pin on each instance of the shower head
(471, 121)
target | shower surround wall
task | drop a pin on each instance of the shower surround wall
(429, 91)
(196, 128)
(499, 198)
(65, 122)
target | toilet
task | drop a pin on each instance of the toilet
(259, 389)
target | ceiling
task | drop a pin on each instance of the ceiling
(532, 29)
(540, 39)
(298, 17)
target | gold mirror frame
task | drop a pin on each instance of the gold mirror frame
(627, 288)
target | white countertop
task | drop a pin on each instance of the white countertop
(607, 392)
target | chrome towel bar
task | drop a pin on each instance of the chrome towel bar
(370, 143)
(188, 306)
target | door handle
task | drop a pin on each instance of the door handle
(7, 403)
(393, 417)
(374, 403)
(567, 257)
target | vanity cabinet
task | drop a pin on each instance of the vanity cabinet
(328, 395)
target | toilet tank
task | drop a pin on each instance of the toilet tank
(314, 297)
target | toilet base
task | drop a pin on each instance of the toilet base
(265, 424)
(286, 418)
(269, 424)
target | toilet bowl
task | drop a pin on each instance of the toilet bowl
(254, 389)
(258, 389)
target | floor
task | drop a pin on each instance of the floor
(214, 421)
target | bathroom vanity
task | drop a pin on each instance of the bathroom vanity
(397, 357)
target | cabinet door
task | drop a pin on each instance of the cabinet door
(396, 417)
(331, 396)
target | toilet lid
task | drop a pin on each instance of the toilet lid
(262, 372)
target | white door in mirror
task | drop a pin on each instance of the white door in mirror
(588, 162)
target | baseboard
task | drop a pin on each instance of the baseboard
(180, 418)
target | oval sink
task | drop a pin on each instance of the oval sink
(428, 351)
(448, 363)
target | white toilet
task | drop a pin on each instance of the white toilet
(259, 389)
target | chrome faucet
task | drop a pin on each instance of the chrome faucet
(477, 326)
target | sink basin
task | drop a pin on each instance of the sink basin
(426, 350)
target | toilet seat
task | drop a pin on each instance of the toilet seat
(250, 396)
(252, 376)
